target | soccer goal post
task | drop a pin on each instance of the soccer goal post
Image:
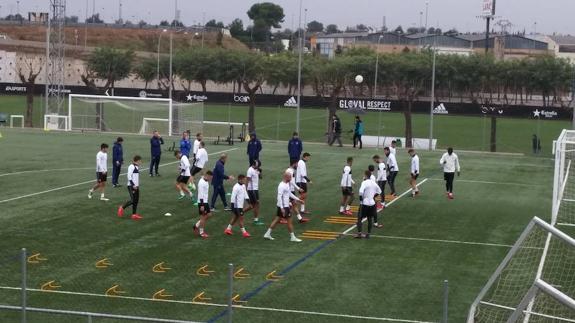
(564, 180)
(542, 257)
(133, 114)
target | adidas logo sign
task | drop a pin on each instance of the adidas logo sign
(440, 109)
(292, 102)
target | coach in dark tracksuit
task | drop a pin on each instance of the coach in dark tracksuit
(295, 147)
(254, 149)
(218, 182)
(117, 160)
(156, 143)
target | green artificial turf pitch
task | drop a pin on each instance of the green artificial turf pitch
(397, 274)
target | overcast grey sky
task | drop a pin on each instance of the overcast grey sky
(547, 16)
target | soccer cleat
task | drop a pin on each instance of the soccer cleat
(377, 225)
(136, 217)
(158, 175)
(151, 175)
(342, 213)
(283, 221)
(246, 234)
(304, 220)
(366, 236)
(259, 222)
(348, 213)
(104, 199)
(450, 196)
(204, 235)
(228, 232)
(90, 195)
(268, 237)
(181, 197)
(227, 208)
(116, 185)
(120, 211)
(294, 239)
(358, 236)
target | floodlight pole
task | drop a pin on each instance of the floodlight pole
(158, 66)
(300, 59)
(375, 84)
(431, 106)
(170, 113)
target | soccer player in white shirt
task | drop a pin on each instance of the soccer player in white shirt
(393, 169)
(101, 172)
(133, 189)
(283, 208)
(450, 163)
(196, 145)
(368, 209)
(414, 172)
(302, 180)
(239, 196)
(393, 147)
(200, 160)
(253, 177)
(203, 204)
(184, 177)
(381, 179)
(346, 189)
(379, 206)
(295, 188)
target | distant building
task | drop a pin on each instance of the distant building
(507, 46)
(563, 46)
(328, 45)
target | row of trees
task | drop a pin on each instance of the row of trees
(404, 77)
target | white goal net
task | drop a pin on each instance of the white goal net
(534, 283)
(564, 180)
(133, 115)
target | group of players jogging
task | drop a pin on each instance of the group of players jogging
(291, 191)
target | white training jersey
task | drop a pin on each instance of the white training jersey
(203, 190)
(101, 162)
(346, 180)
(381, 172)
(239, 195)
(393, 150)
(392, 163)
(368, 190)
(185, 166)
(292, 182)
(284, 194)
(133, 176)
(415, 164)
(253, 176)
(450, 163)
(196, 146)
(372, 178)
(301, 172)
(201, 158)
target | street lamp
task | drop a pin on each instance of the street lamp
(158, 67)
(375, 84)
(300, 59)
(432, 94)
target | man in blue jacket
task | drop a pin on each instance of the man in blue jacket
(219, 176)
(357, 133)
(156, 143)
(295, 147)
(117, 160)
(254, 149)
(185, 144)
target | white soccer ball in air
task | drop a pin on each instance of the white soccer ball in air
(359, 79)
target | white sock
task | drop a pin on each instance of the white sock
(299, 216)
(201, 230)
(347, 208)
(302, 208)
(243, 229)
(341, 208)
(292, 235)
(182, 193)
(256, 219)
(91, 190)
(102, 195)
(269, 232)
(229, 226)
(198, 224)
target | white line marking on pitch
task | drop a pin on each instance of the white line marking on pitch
(440, 241)
(90, 181)
(219, 305)
(387, 205)
(44, 171)
(487, 182)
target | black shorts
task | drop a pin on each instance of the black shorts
(196, 170)
(414, 176)
(183, 179)
(254, 197)
(368, 211)
(237, 211)
(303, 186)
(286, 211)
(347, 191)
(206, 208)
(101, 177)
(448, 176)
